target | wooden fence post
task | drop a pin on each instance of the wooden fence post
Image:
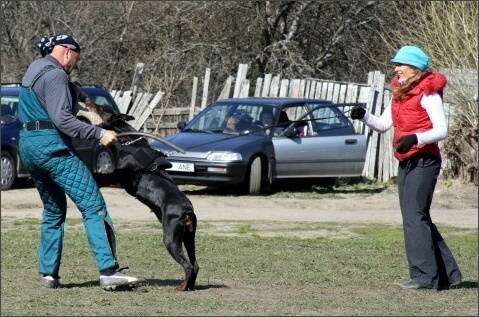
(137, 77)
(266, 85)
(242, 70)
(204, 99)
(193, 99)
(225, 93)
(257, 90)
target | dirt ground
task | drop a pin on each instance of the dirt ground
(456, 205)
(223, 214)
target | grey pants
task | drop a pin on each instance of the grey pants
(431, 263)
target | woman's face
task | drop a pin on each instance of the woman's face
(404, 71)
(231, 123)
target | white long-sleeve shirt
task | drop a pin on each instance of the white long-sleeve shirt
(435, 110)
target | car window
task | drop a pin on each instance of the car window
(100, 100)
(330, 120)
(101, 97)
(296, 114)
(9, 106)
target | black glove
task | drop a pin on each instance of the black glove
(357, 112)
(405, 143)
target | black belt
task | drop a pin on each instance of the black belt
(38, 125)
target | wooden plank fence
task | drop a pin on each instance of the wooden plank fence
(380, 162)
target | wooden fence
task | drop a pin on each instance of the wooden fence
(380, 162)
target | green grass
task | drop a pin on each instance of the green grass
(245, 273)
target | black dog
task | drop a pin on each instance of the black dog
(141, 172)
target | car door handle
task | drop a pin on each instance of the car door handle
(351, 141)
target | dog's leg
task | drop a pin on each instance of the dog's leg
(190, 222)
(173, 236)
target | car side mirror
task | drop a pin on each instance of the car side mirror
(290, 131)
(181, 125)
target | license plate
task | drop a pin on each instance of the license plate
(182, 167)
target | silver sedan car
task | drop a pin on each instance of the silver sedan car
(254, 142)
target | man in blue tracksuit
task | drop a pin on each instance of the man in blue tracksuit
(45, 110)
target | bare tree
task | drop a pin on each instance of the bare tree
(292, 38)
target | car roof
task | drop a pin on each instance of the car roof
(273, 101)
(14, 88)
(10, 89)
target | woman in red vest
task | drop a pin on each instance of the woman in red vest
(416, 113)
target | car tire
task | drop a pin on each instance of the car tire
(342, 181)
(104, 161)
(9, 171)
(254, 179)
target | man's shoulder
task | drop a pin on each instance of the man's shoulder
(43, 65)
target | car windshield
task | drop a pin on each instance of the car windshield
(233, 118)
(102, 98)
(254, 118)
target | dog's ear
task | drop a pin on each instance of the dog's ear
(109, 115)
(125, 117)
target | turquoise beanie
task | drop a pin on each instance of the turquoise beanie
(412, 56)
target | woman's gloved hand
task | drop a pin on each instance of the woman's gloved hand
(405, 143)
(357, 112)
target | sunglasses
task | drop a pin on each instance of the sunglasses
(72, 47)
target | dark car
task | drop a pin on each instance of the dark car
(98, 158)
(227, 144)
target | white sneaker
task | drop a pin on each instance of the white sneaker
(50, 282)
(118, 279)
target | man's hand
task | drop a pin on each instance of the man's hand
(108, 138)
(357, 112)
(405, 143)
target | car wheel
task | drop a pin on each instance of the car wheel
(9, 171)
(255, 174)
(342, 181)
(104, 162)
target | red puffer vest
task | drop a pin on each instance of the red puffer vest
(410, 117)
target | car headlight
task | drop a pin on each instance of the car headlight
(224, 156)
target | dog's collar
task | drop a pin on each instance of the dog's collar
(148, 158)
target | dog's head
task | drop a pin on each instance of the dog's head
(109, 116)
(136, 156)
